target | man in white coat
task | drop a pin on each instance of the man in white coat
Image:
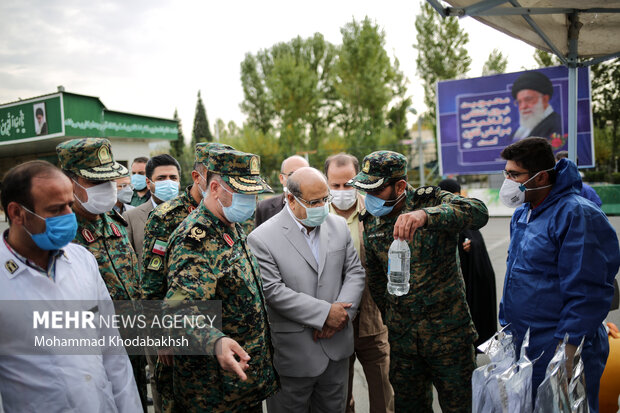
(313, 282)
(37, 262)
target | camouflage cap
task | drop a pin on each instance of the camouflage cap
(90, 158)
(378, 168)
(201, 153)
(238, 169)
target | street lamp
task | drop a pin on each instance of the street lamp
(419, 141)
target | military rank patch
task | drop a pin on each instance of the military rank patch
(164, 208)
(155, 264)
(115, 230)
(425, 192)
(11, 266)
(88, 236)
(160, 247)
(197, 233)
(228, 240)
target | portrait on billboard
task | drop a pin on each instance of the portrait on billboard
(478, 117)
(40, 119)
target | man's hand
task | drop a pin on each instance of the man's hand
(338, 316)
(327, 332)
(467, 245)
(406, 224)
(165, 356)
(225, 350)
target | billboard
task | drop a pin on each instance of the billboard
(477, 118)
(32, 119)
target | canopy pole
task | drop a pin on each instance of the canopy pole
(573, 37)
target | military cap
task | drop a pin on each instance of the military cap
(238, 169)
(378, 168)
(532, 80)
(202, 150)
(90, 158)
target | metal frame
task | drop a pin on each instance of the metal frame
(571, 59)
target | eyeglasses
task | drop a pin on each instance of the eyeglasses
(513, 174)
(317, 202)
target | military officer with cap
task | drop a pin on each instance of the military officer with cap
(431, 333)
(207, 258)
(88, 162)
(162, 221)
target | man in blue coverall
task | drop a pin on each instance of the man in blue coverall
(562, 260)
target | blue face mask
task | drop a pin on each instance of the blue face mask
(314, 216)
(241, 208)
(166, 190)
(59, 231)
(376, 206)
(138, 182)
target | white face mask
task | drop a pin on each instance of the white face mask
(343, 198)
(101, 198)
(512, 193)
(125, 194)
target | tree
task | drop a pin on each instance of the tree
(544, 59)
(201, 132)
(606, 105)
(442, 52)
(495, 64)
(368, 82)
(177, 146)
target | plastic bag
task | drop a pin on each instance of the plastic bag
(552, 394)
(577, 384)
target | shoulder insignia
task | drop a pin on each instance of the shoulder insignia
(88, 236)
(154, 264)
(11, 266)
(197, 233)
(425, 192)
(118, 217)
(164, 208)
(115, 230)
(159, 247)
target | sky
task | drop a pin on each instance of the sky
(150, 57)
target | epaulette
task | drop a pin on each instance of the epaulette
(196, 233)
(364, 215)
(425, 192)
(116, 216)
(166, 207)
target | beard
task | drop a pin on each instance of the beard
(536, 114)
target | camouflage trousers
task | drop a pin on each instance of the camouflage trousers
(425, 354)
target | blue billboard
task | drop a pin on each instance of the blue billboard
(477, 118)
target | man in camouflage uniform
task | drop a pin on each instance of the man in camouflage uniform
(208, 259)
(89, 164)
(430, 329)
(162, 221)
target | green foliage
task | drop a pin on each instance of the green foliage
(442, 52)
(615, 178)
(495, 64)
(606, 110)
(594, 176)
(545, 59)
(176, 147)
(201, 132)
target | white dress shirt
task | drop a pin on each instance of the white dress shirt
(59, 383)
(312, 237)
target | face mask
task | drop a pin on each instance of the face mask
(124, 195)
(344, 199)
(101, 198)
(314, 216)
(376, 206)
(138, 181)
(242, 207)
(166, 190)
(59, 231)
(512, 193)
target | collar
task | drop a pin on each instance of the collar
(54, 255)
(303, 229)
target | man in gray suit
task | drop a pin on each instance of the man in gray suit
(313, 282)
(162, 178)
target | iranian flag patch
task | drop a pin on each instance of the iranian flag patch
(160, 247)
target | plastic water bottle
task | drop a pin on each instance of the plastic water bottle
(398, 268)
